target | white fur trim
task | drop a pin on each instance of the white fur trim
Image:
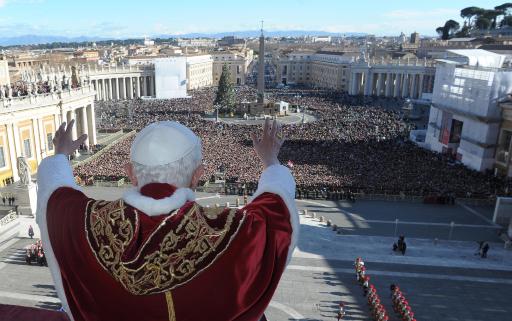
(152, 207)
(277, 179)
(53, 172)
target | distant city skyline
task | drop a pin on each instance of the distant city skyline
(123, 19)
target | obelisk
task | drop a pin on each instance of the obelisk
(261, 69)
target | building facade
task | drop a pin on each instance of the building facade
(503, 163)
(465, 117)
(238, 64)
(199, 71)
(28, 124)
(391, 78)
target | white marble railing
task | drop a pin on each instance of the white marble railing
(15, 103)
(8, 218)
(118, 69)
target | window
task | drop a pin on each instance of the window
(26, 148)
(2, 158)
(456, 131)
(49, 140)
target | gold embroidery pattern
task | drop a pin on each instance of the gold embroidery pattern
(170, 306)
(171, 256)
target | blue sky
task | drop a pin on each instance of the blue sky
(115, 18)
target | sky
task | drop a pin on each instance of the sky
(128, 18)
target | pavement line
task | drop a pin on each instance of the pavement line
(29, 297)
(207, 197)
(286, 309)
(402, 274)
(315, 203)
(431, 224)
(8, 243)
(5, 261)
(477, 214)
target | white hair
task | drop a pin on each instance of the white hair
(178, 173)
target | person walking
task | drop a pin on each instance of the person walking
(485, 249)
(31, 231)
(341, 311)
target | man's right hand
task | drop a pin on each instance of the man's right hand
(63, 141)
(268, 145)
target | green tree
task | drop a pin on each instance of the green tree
(492, 16)
(483, 23)
(225, 93)
(507, 21)
(470, 13)
(449, 29)
(504, 11)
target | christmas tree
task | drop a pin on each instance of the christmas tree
(225, 93)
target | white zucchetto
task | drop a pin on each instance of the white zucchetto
(162, 143)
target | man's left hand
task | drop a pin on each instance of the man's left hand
(63, 141)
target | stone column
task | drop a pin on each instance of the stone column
(37, 139)
(123, 88)
(91, 117)
(151, 86)
(84, 124)
(17, 142)
(380, 80)
(398, 85)
(130, 87)
(405, 85)
(104, 87)
(42, 137)
(110, 89)
(414, 86)
(116, 80)
(137, 88)
(144, 86)
(12, 151)
(93, 82)
(367, 83)
(388, 85)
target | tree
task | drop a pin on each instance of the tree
(491, 15)
(448, 30)
(464, 31)
(503, 10)
(506, 22)
(483, 23)
(225, 93)
(471, 12)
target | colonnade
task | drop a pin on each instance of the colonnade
(120, 88)
(85, 122)
(401, 84)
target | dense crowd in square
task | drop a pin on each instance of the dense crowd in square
(358, 145)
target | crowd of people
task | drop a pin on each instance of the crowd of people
(35, 253)
(356, 145)
(20, 89)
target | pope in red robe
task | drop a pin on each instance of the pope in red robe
(156, 254)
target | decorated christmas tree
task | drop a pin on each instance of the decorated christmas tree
(225, 93)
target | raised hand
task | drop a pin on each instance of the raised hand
(268, 145)
(63, 141)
